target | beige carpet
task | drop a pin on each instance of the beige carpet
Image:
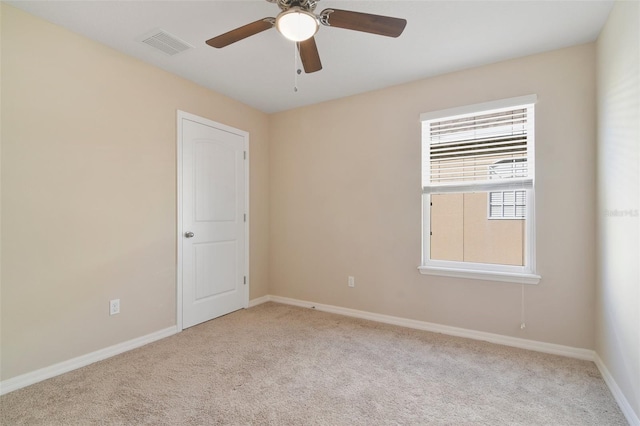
(282, 365)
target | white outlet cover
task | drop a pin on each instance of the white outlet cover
(114, 306)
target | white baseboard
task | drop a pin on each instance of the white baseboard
(533, 345)
(623, 402)
(259, 301)
(27, 379)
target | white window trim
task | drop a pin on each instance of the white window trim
(484, 271)
(470, 109)
(458, 272)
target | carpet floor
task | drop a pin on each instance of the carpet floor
(282, 365)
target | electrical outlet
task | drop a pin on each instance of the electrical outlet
(352, 281)
(114, 306)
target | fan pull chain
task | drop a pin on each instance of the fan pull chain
(295, 67)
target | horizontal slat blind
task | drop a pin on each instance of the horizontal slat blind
(477, 148)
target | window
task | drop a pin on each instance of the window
(478, 166)
(507, 204)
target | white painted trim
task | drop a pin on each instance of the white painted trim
(510, 277)
(247, 188)
(27, 379)
(179, 302)
(472, 109)
(259, 301)
(622, 401)
(533, 345)
(245, 135)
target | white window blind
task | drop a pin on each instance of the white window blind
(488, 150)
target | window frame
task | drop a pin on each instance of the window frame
(494, 272)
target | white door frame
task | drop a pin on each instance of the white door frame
(245, 135)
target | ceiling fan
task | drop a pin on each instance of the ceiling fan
(298, 22)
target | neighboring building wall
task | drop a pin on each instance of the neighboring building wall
(618, 284)
(461, 231)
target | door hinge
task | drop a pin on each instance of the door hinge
(430, 232)
(245, 280)
(245, 217)
(431, 204)
(245, 155)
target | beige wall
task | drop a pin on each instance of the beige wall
(345, 200)
(618, 301)
(89, 192)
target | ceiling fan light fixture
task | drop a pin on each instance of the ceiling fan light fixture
(297, 24)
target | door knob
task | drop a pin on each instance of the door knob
(189, 234)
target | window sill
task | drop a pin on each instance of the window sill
(510, 277)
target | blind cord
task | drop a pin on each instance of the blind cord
(522, 322)
(528, 201)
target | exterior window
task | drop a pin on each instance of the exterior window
(477, 166)
(507, 204)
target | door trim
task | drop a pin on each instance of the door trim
(245, 135)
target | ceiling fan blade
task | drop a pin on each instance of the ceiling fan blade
(241, 33)
(309, 55)
(365, 22)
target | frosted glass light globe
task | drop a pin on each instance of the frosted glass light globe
(297, 24)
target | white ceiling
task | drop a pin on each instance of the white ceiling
(440, 37)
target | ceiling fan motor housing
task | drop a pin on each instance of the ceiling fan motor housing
(308, 5)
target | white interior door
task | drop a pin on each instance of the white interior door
(212, 256)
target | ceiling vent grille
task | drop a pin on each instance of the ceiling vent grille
(165, 42)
